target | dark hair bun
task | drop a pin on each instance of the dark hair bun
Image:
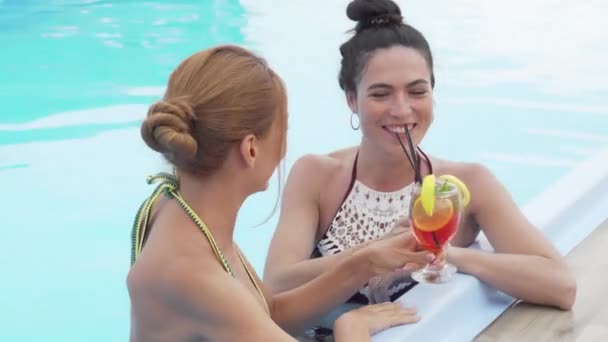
(370, 12)
(168, 129)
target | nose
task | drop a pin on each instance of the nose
(402, 107)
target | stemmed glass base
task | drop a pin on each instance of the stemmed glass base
(433, 274)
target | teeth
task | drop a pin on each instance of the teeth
(399, 129)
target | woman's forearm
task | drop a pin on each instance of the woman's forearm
(297, 308)
(531, 278)
(291, 276)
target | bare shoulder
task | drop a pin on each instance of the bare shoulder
(211, 296)
(169, 281)
(185, 280)
(196, 293)
(480, 180)
(165, 304)
(470, 173)
(320, 168)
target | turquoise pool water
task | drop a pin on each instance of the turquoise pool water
(76, 77)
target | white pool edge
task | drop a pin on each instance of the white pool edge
(567, 212)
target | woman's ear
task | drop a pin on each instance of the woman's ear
(351, 99)
(249, 150)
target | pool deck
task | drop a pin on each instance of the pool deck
(587, 321)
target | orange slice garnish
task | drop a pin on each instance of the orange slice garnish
(442, 213)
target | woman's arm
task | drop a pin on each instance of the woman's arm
(219, 308)
(525, 265)
(357, 325)
(289, 262)
(299, 307)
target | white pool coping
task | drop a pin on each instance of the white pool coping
(567, 212)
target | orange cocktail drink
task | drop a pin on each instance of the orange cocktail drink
(436, 214)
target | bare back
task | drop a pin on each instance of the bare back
(179, 290)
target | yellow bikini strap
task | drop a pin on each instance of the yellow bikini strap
(252, 278)
(169, 186)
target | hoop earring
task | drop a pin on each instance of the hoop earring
(352, 125)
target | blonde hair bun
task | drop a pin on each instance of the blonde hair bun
(168, 129)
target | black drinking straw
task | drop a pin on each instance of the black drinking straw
(414, 159)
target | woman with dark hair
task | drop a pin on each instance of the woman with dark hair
(337, 203)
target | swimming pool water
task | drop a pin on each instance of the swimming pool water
(68, 161)
(76, 78)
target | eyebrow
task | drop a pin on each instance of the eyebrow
(384, 85)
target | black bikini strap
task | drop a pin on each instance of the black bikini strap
(353, 178)
(428, 160)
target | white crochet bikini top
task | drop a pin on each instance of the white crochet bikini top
(365, 214)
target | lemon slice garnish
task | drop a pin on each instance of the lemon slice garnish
(465, 195)
(427, 194)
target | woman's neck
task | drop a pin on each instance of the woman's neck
(383, 171)
(216, 200)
